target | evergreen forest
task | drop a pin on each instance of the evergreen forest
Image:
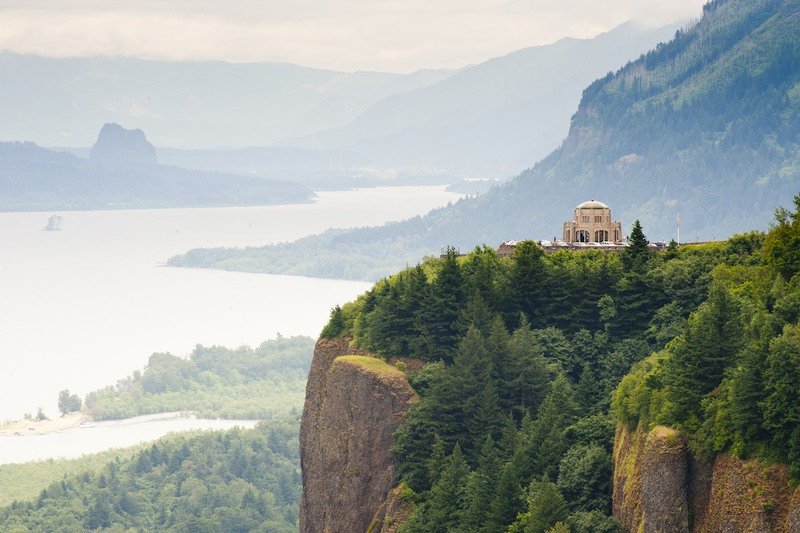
(514, 427)
(213, 382)
(235, 481)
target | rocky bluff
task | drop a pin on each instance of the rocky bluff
(660, 487)
(354, 403)
(120, 147)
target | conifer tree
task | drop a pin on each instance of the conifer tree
(637, 254)
(481, 488)
(528, 282)
(713, 339)
(497, 345)
(636, 300)
(413, 294)
(584, 477)
(782, 385)
(482, 271)
(637, 295)
(447, 501)
(335, 326)
(483, 419)
(438, 324)
(509, 438)
(741, 422)
(558, 349)
(527, 378)
(413, 444)
(506, 502)
(546, 508)
(558, 411)
(476, 313)
(436, 460)
(385, 319)
(588, 391)
(454, 401)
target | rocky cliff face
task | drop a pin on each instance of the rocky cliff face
(354, 403)
(659, 487)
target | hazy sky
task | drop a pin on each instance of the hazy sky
(389, 35)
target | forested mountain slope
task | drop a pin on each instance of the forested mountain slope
(239, 480)
(706, 126)
(512, 429)
(497, 116)
(512, 426)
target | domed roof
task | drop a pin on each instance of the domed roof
(592, 204)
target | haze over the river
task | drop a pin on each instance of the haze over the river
(87, 305)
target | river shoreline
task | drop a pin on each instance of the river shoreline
(73, 438)
(31, 428)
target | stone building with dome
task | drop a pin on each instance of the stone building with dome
(592, 222)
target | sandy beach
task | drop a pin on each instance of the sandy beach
(42, 427)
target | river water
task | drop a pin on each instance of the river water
(85, 306)
(99, 436)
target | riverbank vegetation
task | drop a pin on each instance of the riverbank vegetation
(239, 480)
(214, 382)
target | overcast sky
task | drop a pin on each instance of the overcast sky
(387, 35)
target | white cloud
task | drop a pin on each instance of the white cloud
(393, 35)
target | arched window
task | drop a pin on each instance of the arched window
(616, 236)
(600, 236)
(582, 236)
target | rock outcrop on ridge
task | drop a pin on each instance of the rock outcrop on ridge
(354, 403)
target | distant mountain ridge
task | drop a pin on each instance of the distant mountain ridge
(498, 116)
(123, 173)
(285, 121)
(197, 104)
(705, 128)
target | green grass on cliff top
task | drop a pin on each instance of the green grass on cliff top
(373, 364)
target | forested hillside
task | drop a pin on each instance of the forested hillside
(731, 379)
(706, 126)
(214, 382)
(522, 354)
(240, 480)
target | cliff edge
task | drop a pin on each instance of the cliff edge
(659, 487)
(354, 403)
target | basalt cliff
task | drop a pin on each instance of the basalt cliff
(354, 403)
(659, 486)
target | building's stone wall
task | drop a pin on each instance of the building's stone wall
(594, 220)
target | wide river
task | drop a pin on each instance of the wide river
(75, 442)
(85, 306)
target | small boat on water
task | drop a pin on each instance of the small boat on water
(54, 223)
